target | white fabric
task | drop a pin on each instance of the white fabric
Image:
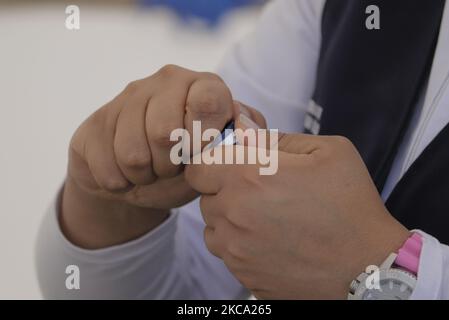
(273, 70)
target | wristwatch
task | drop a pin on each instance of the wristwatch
(396, 277)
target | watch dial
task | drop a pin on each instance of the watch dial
(390, 289)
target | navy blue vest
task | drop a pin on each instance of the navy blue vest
(368, 83)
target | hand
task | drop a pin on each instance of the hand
(121, 182)
(306, 231)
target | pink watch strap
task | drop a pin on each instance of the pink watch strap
(408, 255)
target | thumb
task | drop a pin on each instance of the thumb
(250, 126)
(296, 143)
(248, 118)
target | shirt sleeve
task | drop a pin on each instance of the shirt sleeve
(170, 262)
(272, 70)
(433, 271)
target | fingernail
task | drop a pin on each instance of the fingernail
(247, 123)
(243, 109)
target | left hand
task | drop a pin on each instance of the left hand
(305, 232)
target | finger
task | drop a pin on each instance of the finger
(251, 129)
(164, 115)
(212, 243)
(78, 169)
(209, 210)
(249, 134)
(155, 195)
(250, 121)
(210, 102)
(206, 178)
(99, 149)
(213, 169)
(217, 238)
(256, 118)
(130, 145)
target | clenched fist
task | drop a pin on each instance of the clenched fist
(121, 182)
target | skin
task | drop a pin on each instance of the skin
(304, 232)
(121, 183)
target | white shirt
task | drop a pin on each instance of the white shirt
(274, 71)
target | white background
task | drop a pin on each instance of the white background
(52, 78)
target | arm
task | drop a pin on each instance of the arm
(170, 262)
(135, 253)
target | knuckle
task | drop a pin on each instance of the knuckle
(77, 143)
(168, 70)
(235, 249)
(339, 145)
(189, 176)
(97, 119)
(341, 141)
(244, 217)
(236, 218)
(204, 206)
(212, 76)
(210, 244)
(233, 215)
(114, 184)
(133, 86)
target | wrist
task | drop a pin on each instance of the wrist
(388, 238)
(394, 276)
(382, 237)
(394, 279)
(93, 222)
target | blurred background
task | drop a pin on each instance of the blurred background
(52, 78)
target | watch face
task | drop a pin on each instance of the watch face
(394, 284)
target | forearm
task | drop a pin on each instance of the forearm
(91, 222)
(133, 270)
